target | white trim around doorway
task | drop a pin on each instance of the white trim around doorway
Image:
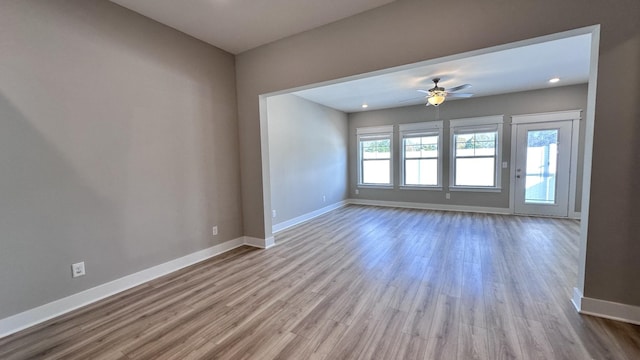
(569, 115)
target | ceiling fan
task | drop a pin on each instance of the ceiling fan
(437, 94)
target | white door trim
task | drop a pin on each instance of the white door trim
(546, 117)
(573, 176)
(569, 115)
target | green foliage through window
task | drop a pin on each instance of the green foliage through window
(377, 146)
(476, 141)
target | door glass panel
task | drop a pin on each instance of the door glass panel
(542, 158)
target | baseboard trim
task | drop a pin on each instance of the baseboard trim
(306, 217)
(26, 319)
(424, 206)
(259, 243)
(577, 299)
(606, 309)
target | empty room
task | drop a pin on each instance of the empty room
(364, 179)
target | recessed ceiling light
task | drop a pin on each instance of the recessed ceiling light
(364, 106)
(554, 80)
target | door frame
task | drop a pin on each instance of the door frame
(560, 206)
(569, 115)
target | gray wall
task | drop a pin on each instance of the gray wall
(394, 35)
(554, 99)
(118, 147)
(307, 156)
(118, 135)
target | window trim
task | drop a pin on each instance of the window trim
(429, 128)
(373, 132)
(475, 125)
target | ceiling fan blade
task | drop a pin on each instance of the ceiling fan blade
(423, 91)
(459, 87)
(459, 95)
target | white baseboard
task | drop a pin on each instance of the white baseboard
(606, 309)
(48, 311)
(577, 298)
(259, 243)
(411, 205)
(306, 217)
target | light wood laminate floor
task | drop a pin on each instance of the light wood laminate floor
(357, 283)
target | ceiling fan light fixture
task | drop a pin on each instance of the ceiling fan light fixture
(437, 98)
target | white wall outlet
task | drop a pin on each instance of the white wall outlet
(324, 198)
(357, 192)
(447, 196)
(77, 269)
(273, 214)
(505, 164)
(215, 230)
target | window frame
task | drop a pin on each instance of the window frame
(430, 128)
(476, 125)
(372, 133)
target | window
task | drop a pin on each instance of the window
(421, 155)
(475, 153)
(375, 160)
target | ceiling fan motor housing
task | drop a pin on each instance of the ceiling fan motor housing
(436, 88)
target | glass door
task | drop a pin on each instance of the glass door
(543, 155)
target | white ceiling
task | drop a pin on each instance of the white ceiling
(240, 25)
(518, 69)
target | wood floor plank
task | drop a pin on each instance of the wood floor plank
(533, 341)
(563, 340)
(472, 308)
(356, 283)
(502, 341)
(325, 338)
(411, 348)
(354, 341)
(472, 343)
(443, 337)
(626, 336)
(422, 312)
(384, 343)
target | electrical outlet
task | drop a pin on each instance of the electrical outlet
(77, 269)
(357, 192)
(215, 231)
(324, 198)
(447, 196)
(273, 213)
(505, 164)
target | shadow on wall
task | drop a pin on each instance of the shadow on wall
(46, 213)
